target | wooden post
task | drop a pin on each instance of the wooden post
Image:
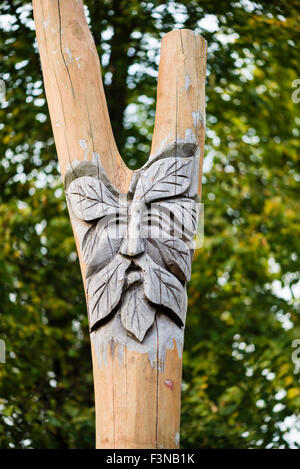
(135, 288)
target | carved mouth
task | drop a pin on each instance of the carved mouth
(134, 276)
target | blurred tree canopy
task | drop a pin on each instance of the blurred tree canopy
(240, 389)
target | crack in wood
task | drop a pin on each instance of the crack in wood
(61, 48)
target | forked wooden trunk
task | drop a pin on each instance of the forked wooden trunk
(134, 230)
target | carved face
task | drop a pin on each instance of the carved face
(138, 246)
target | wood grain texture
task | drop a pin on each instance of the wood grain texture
(74, 89)
(137, 400)
(180, 106)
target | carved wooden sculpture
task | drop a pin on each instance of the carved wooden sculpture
(134, 230)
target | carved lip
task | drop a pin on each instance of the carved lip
(134, 276)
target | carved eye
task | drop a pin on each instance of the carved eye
(174, 217)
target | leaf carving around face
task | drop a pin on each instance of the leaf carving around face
(165, 178)
(175, 255)
(163, 289)
(137, 246)
(91, 199)
(137, 315)
(105, 290)
(183, 211)
(102, 242)
(175, 218)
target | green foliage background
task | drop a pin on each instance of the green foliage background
(239, 381)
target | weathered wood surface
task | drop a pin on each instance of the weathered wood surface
(134, 282)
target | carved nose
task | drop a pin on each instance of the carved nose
(133, 245)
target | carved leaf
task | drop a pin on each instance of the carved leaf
(168, 177)
(174, 217)
(104, 290)
(163, 289)
(185, 212)
(90, 199)
(102, 242)
(137, 315)
(176, 255)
